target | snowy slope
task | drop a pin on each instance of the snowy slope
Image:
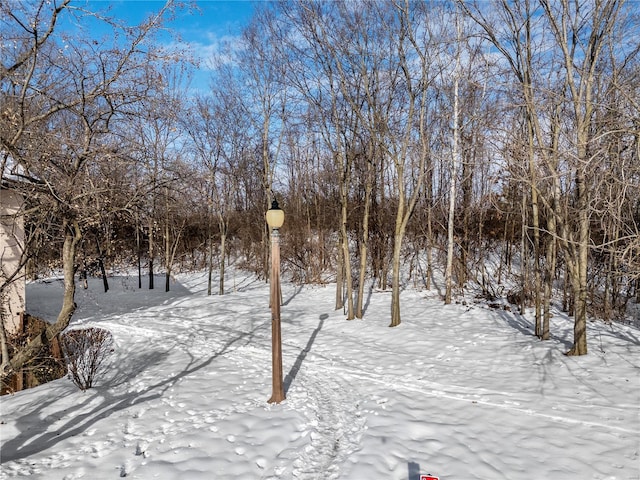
(461, 392)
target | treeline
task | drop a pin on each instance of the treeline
(429, 134)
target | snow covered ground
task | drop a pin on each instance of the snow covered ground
(462, 392)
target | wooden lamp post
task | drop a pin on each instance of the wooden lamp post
(275, 219)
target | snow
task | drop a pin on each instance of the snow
(462, 392)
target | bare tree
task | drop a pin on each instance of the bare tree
(366, 73)
(455, 160)
(575, 36)
(581, 36)
(218, 134)
(265, 100)
(410, 163)
(58, 113)
(331, 83)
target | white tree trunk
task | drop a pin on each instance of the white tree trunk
(452, 189)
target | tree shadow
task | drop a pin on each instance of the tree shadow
(295, 293)
(369, 295)
(520, 323)
(32, 441)
(627, 336)
(427, 274)
(516, 321)
(248, 284)
(290, 377)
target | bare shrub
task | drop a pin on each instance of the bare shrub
(517, 297)
(85, 351)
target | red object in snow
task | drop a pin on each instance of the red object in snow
(428, 477)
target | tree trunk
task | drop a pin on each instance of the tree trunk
(452, 191)
(365, 240)
(151, 252)
(524, 264)
(340, 277)
(580, 276)
(344, 235)
(209, 260)
(25, 354)
(535, 220)
(429, 188)
(581, 54)
(138, 251)
(467, 165)
(395, 284)
(105, 281)
(167, 243)
(223, 252)
(549, 275)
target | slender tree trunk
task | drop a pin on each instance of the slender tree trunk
(152, 247)
(535, 221)
(167, 272)
(103, 272)
(567, 304)
(452, 191)
(365, 240)
(344, 234)
(467, 173)
(395, 284)
(173, 249)
(550, 273)
(138, 251)
(223, 253)
(340, 277)
(209, 255)
(524, 264)
(429, 250)
(380, 262)
(611, 291)
(167, 243)
(506, 245)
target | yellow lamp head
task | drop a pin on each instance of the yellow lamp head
(274, 216)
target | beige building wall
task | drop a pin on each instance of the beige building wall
(11, 250)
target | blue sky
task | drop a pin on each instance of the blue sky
(216, 17)
(204, 29)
